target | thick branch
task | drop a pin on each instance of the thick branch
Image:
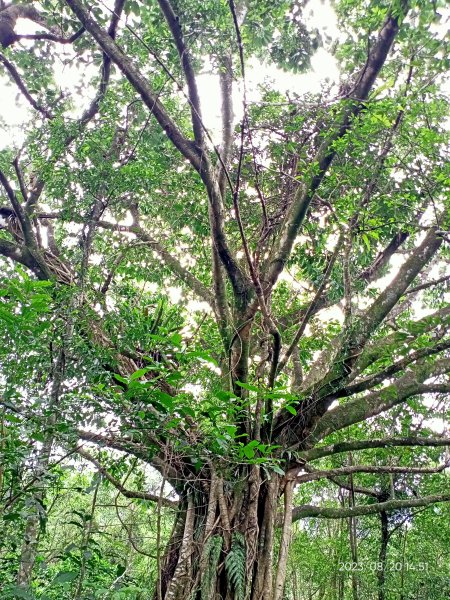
(21, 215)
(366, 469)
(302, 512)
(141, 85)
(22, 255)
(410, 384)
(390, 442)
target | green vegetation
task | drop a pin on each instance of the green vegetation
(224, 344)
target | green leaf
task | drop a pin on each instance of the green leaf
(247, 386)
(64, 577)
(19, 592)
(136, 375)
(278, 470)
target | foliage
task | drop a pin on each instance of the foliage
(195, 313)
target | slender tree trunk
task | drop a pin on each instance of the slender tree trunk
(295, 585)
(381, 573)
(85, 544)
(352, 537)
(33, 523)
(285, 541)
(402, 575)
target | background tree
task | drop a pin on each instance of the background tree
(291, 352)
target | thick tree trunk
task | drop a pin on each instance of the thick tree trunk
(223, 543)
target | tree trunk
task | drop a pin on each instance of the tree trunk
(33, 521)
(37, 513)
(352, 537)
(222, 543)
(381, 572)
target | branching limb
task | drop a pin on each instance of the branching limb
(361, 409)
(389, 442)
(315, 475)
(326, 153)
(350, 344)
(302, 512)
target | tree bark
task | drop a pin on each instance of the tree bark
(381, 572)
(222, 544)
(32, 527)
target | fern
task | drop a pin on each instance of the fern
(212, 550)
(235, 564)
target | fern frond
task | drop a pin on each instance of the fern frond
(213, 548)
(235, 564)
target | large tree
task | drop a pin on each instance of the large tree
(309, 247)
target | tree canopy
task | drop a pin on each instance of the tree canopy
(238, 323)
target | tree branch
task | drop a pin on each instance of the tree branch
(428, 284)
(302, 512)
(377, 378)
(366, 469)
(23, 256)
(410, 384)
(170, 261)
(377, 312)
(150, 98)
(175, 28)
(52, 37)
(22, 87)
(381, 347)
(356, 445)
(117, 484)
(326, 153)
